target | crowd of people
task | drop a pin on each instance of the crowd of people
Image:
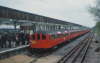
(9, 40)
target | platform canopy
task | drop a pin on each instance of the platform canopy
(17, 16)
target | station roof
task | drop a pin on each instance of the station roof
(6, 12)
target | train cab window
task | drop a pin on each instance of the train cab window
(33, 37)
(38, 36)
(43, 37)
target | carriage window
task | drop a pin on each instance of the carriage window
(66, 34)
(72, 32)
(58, 36)
(54, 36)
(43, 37)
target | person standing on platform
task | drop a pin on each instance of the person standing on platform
(0, 40)
(27, 38)
(3, 41)
(6, 40)
(22, 38)
(17, 39)
(9, 39)
(13, 39)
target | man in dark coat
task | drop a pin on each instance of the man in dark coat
(17, 39)
(4, 41)
(0, 40)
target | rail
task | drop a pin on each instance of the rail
(80, 49)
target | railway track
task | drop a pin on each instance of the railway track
(39, 58)
(78, 53)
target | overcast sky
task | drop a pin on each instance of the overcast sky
(75, 11)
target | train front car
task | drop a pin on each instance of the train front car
(43, 40)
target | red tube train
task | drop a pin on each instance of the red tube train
(46, 40)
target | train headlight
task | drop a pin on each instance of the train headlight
(33, 42)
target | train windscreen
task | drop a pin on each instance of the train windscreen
(43, 37)
(38, 36)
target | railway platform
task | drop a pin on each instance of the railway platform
(5, 52)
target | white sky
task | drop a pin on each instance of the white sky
(75, 11)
